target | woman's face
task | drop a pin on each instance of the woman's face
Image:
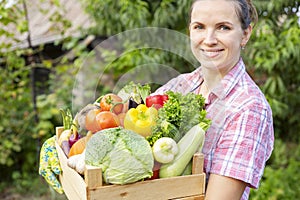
(216, 34)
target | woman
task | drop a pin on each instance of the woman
(240, 138)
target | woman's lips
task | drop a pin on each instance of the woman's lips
(211, 53)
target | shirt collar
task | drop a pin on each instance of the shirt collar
(230, 80)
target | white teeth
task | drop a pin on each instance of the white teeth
(211, 53)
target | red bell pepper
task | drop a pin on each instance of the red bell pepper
(156, 101)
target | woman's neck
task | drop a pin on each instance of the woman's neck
(211, 79)
(213, 76)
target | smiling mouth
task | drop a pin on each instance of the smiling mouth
(211, 53)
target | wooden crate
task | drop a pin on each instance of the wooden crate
(91, 187)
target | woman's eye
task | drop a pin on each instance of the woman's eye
(198, 27)
(224, 27)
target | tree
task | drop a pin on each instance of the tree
(24, 121)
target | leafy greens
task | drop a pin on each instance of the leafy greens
(178, 115)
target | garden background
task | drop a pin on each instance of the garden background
(36, 82)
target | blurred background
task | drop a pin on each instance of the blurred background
(44, 44)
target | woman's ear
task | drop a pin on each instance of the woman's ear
(246, 35)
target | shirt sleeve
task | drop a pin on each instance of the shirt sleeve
(245, 145)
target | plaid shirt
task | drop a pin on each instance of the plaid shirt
(241, 137)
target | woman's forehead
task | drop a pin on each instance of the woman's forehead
(214, 9)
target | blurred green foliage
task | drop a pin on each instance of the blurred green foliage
(272, 57)
(281, 174)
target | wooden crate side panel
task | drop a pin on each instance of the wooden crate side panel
(72, 183)
(69, 190)
(158, 189)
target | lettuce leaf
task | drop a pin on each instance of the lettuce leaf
(135, 91)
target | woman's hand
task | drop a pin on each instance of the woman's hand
(49, 164)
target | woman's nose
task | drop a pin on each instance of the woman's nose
(210, 38)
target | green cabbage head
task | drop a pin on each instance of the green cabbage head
(123, 155)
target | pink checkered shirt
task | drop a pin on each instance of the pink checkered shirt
(241, 136)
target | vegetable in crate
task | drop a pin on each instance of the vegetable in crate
(63, 140)
(90, 120)
(79, 146)
(179, 114)
(135, 92)
(107, 119)
(123, 155)
(111, 102)
(81, 116)
(157, 101)
(77, 162)
(140, 119)
(97, 120)
(164, 150)
(188, 145)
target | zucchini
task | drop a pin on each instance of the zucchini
(188, 145)
(188, 169)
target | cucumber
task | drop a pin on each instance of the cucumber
(188, 145)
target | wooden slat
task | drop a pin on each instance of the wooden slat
(197, 163)
(166, 188)
(93, 177)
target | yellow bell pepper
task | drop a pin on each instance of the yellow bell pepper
(140, 119)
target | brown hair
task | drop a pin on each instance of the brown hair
(245, 10)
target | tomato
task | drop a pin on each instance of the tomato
(111, 101)
(90, 120)
(107, 119)
(156, 101)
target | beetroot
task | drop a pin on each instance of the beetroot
(73, 138)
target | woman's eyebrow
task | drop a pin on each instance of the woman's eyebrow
(224, 22)
(195, 22)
